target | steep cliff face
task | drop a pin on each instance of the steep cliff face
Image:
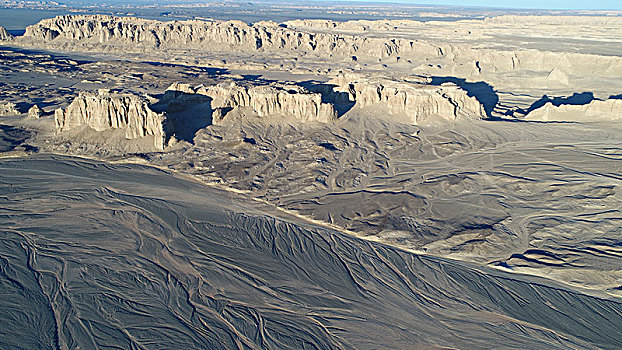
(411, 101)
(420, 102)
(594, 111)
(224, 36)
(289, 101)
(105, 111)
(4, 35)
(356, 41)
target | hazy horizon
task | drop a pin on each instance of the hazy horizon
(525, 4)
(530, 4)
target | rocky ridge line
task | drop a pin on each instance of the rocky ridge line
(421, 103)
(414, 102)
(128, 34)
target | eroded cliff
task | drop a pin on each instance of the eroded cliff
(413, 102)
(362, 42)
(415, 99)
(596, 110)
(288, 101)
(106, 111)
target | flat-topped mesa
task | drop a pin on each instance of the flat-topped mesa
(596, 110)
(290, 102)
(86, 31)
(107, 111)
(5, 35)
(356, 44)
(421, 103)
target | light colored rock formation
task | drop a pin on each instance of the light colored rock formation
(106, 111)
(8, 108)
(4, 35)
(361, 41)
(558, 76)
(596, 110)
(289, 101)
(225, 36)
(419, 102)
(415, 102)
(35, 112)
(87, 33)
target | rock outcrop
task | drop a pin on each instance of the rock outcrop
(8, 108)
(224, 36)
(597, 110)
(35, 112)
(288, 101)
(107, 111)
(4, 35)
(421, 103)
(355, 41)
(414, 102)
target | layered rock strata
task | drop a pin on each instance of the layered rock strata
(107, 111)
(421, 103)
(356, 41)
(288, 101)
(217, 35)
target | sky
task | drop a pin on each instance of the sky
(527, 4)
(538, 4)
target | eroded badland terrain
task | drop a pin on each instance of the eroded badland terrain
(312, 183)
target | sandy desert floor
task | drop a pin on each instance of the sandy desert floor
(256, 230)
(95, 254)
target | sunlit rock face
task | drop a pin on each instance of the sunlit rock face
(595, 110)
(104, 111)
(290, 102)
(4, 35)
(419, 102)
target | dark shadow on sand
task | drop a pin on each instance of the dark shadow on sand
(186, 114)
(482, 91)
(340, 100)
(577, 99)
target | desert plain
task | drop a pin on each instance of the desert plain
(413, 178)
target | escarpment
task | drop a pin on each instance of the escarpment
(421, 103)
(596, 110)
(225, 36)
(109, 111)
(351, 43)
(414, 102)
(288, 101)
